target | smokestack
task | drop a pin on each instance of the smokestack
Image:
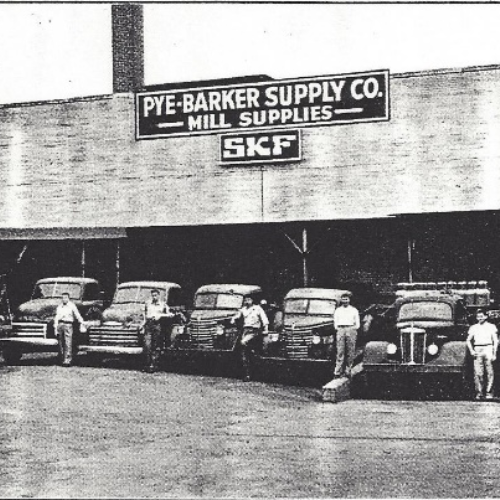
(128, 47)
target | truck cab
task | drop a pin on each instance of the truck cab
(428, 334)
(424, 332)
(209, 326)
(121, 329)
(32, 327)
(306, 331)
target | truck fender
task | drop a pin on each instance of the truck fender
(453, 353)
(375, 352)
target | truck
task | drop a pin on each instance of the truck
(210, 338)
(32, 325)
(422, 335)
(120, 330)
(302, 338)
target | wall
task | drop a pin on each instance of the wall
(76, 164)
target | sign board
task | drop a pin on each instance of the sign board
(260, 147)
(277, 104)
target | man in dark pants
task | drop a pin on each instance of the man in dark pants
(255, 324)
(66, 315)
(155, 312)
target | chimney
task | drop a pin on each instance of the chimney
(128, 47)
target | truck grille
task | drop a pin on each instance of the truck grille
(30, 330)
(202, 333)
(413, 346)
(114, 336)
(297, 341)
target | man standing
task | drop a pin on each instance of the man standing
(255, 324)
(482, 342)
(346, 323)
(154, 335)
(66, 315)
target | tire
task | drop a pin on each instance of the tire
(12, 355)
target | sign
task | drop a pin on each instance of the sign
(277, 104)
(260, 147)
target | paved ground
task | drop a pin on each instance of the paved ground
(111, 432)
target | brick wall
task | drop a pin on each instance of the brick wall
(76, 163)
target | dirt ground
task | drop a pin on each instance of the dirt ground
(113, 432)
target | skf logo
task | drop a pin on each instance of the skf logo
(261, 147)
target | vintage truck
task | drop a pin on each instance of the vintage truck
(303, 336)
(209, 327)
(32, 326)
(423, 334)
(121, 328)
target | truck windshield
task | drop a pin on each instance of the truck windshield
(135, 294)
(218, 301)
(437, 311)
(56, 289)
(310, 306)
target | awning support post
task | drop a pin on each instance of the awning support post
(411, 248)
(83, 258)
(304, 252)
(117, 262)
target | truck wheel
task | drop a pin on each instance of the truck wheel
(12, 355)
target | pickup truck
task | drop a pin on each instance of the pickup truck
(32, 326)
(302, 342)
(121, 329)
(209, 327)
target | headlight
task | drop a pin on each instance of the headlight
(219, 330)
(392, 349)
(316, 339)
(273, 337)
(433, 349)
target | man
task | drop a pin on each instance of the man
(482, 342)
(154, 335)
(66, 315)
(255, 324)
(346, 323)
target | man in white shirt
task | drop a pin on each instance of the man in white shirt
(482, 342)
(255, 324)
(346, 322)
(155, 311)
(66, 315)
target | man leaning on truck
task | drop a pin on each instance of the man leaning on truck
(255, 324)
(346, 323)
(66, 315)
(154, 335)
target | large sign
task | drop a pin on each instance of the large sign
(260, 147)
(277, 104)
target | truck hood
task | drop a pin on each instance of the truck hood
(124, 313)
(38, 310)
(302, 322)
(426, 324)
(212, 314)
